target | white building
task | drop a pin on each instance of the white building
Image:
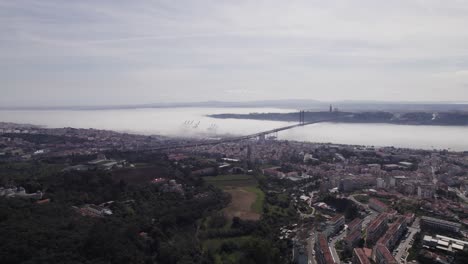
(381, 183)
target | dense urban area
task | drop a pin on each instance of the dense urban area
(93, 196)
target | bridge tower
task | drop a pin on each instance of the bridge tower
(301, 117)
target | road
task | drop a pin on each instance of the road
(352, 198)
(369, 217)
(405, 245)
(310, 205)
(310, 248)
(332, 245)
(459, 194)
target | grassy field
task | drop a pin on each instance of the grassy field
(247, 199)
(257, 206)
(224, 181)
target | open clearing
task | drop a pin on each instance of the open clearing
(247, 198)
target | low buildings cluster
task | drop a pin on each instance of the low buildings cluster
(93, 210)
(101, 163)
(25, 142)
(444, 243)
(19, 192)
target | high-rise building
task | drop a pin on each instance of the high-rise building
(335, 224)
(353, 238)
(376, 229)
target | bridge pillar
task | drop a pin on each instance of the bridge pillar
(261, 137)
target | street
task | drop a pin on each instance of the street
(310, 248)
(405, 244)
(332, 245)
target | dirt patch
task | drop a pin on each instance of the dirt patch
(241, 204)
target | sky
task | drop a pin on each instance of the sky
(130, 52)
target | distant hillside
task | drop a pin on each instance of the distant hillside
(306, 104)
(409, 118)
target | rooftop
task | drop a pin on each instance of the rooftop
(392, 230)
(354, 223)
(336, 218)
(323, 244)
(383, 250)
(377, 222)
(353, 235)
(377, 202)
(439, 221)
(361, 255)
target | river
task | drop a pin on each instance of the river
(193, 122)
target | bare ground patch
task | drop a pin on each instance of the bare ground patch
(241, 204)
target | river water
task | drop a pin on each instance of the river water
(193, 122)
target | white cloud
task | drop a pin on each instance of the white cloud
(206, 49)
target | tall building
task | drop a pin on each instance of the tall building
(356, 224)
(426, 191)
(335, 224)
(376, 229)
(394, 233)
(353, 238)
(380, 183)
(352, 183)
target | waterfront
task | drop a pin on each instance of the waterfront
(193, 122)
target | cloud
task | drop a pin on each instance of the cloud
(205, 49)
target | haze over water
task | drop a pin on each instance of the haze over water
(183, 122)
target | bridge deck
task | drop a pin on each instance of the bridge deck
(239, 138)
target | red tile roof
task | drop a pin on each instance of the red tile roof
(389, 259)
(336, 218)
(392, 230)
(361, 255)
(354, 223)
(353, 236)
(323, 244)
(377, 222)
(378, 203)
